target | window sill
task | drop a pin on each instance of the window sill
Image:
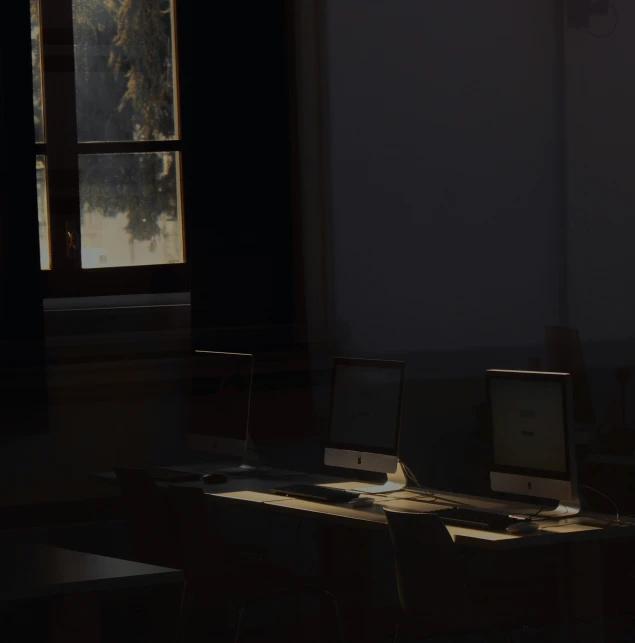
(116, 302)
(120, 327)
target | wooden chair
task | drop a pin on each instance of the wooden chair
(435, 595)
(243, 579)
(146, 509)
(154, 542)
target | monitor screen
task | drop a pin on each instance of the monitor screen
(528, 424)
(366, 404)
(221, 391)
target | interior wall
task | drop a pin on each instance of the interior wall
(443, 173)
(601, 166)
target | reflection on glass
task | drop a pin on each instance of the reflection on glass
(130, 209)
(37, 71)
(124, 70)
(42, 212)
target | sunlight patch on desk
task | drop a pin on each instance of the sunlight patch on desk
(370, 514)
(251, 496)
(570, 528)
(346, 485)
(410, 505)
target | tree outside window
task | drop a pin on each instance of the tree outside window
(126, 143)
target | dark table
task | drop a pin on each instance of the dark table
(69, 579)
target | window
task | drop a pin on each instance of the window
(108, 151)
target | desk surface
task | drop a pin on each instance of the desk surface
(36, 571)
(254, 491)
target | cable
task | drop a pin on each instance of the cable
(410, 474)
(425, 492)
(534, 515)
(413, 478)
(617, 511)
(610, 33)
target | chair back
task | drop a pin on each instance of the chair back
(148, 514)
(427, 565)
(202, 548)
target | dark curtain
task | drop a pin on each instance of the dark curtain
(23, 403)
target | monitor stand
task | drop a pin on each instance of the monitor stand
(394, 482)
(250, 464)
(565, 508)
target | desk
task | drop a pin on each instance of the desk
(69, 579)
(578, 540)
(585, 527)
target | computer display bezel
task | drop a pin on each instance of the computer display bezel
(217, 443)
(564, 379)
(366, 363)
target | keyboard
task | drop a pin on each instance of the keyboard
(170, 475)
(315, 492)
(475, 519)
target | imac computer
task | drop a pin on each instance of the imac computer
(221, 396)
(366, 401)
(532, 434)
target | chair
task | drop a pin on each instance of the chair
(242, 579)
(154, 542)
(433, 587)
(147, 512)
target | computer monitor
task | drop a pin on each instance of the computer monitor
(532, 434)
(220, 401)
(366, 400)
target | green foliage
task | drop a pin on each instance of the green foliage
(142, 51)
(37, 71)
(125, 92)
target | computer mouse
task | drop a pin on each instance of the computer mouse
(214, 478)
(362, 501)
(523, 527)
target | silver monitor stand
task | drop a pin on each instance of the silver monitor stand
(395, 481)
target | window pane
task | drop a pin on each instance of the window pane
(124, 67)
(37, 71)
(130, 209)
(42, 212)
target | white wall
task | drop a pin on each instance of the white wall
(601, 187)
(443, 177)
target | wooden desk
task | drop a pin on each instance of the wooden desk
(70, 579)
(578, 540)
(244, 491)
(583, 528)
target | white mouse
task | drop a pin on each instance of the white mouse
(523, 527)
(362, 501)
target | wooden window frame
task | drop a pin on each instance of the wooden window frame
(62, 149)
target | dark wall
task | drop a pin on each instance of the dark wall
(238, 181)
(443, 139)
(445, 174)
(243, 241)
(601, 139)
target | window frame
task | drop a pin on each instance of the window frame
(62, 150)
